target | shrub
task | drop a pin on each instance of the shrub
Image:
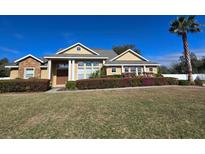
(71, 85)
(102, 83)
(184, 82)
(112, 76)
(198, 82)
(22, 85)
(98, 74)
(129, 75)
(95, 74)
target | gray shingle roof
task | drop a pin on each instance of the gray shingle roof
(107, 53)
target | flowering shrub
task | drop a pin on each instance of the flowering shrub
(101, 83)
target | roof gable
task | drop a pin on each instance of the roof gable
(129, 55)
(85, 50)
(29, 55)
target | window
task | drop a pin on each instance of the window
(126, 69)
(80, 64)
(139, 70)
(88, 63)
(62, 66)
(113, 70)
(86, 68)
(29, 73)
(78, 48)
(95, 63)
(133, 69)
(150, 69)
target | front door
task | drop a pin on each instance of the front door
(62, 73)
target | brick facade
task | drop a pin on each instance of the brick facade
(29, 62)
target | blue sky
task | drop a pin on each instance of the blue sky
(42, 35)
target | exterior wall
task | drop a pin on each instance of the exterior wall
(14, 73)
(129, 56)
(74, 51)
(29, 62)
(155, 69)
(76, 70)
(53, 73)
(109, 71)
(44, 73)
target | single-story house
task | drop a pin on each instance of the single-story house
(78, 62)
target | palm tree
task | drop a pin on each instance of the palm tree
(181, 26)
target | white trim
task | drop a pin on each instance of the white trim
(73, 69)
(24, 74)
(80, 44)
(76, 57)
(11, 66)
(69, 70)
(131, 64)
(18, 66)
(144, 68)
(135, 53)
(29, 55)
(123, 69)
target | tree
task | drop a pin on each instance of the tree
(4, 71)
(181, 26)
(122, 48)
(164, 70)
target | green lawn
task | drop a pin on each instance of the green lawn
(177, 112)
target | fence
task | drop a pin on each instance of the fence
(4, 78)
(184, 76)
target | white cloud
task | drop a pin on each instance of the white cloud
(174, 56)
(8, 50)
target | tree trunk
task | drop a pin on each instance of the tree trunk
(187, 57)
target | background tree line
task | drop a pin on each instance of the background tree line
(198, 66)
(4, 72)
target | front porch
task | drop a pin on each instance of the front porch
(60, 70)
(138, 70)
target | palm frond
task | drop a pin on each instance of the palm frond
(185, 24)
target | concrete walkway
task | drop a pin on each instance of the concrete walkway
(55, 90)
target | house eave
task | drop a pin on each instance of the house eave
(131, 64)
(76, 57)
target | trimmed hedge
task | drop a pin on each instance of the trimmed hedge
(102, 83)
(71, 85)
(24, 85)
(184, 82)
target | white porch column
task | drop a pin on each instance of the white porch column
(144, 69)
(69, 70)
(136, 71)
(123, 71)
(73, 69)
(49, 69)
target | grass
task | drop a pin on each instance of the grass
(176, 112)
